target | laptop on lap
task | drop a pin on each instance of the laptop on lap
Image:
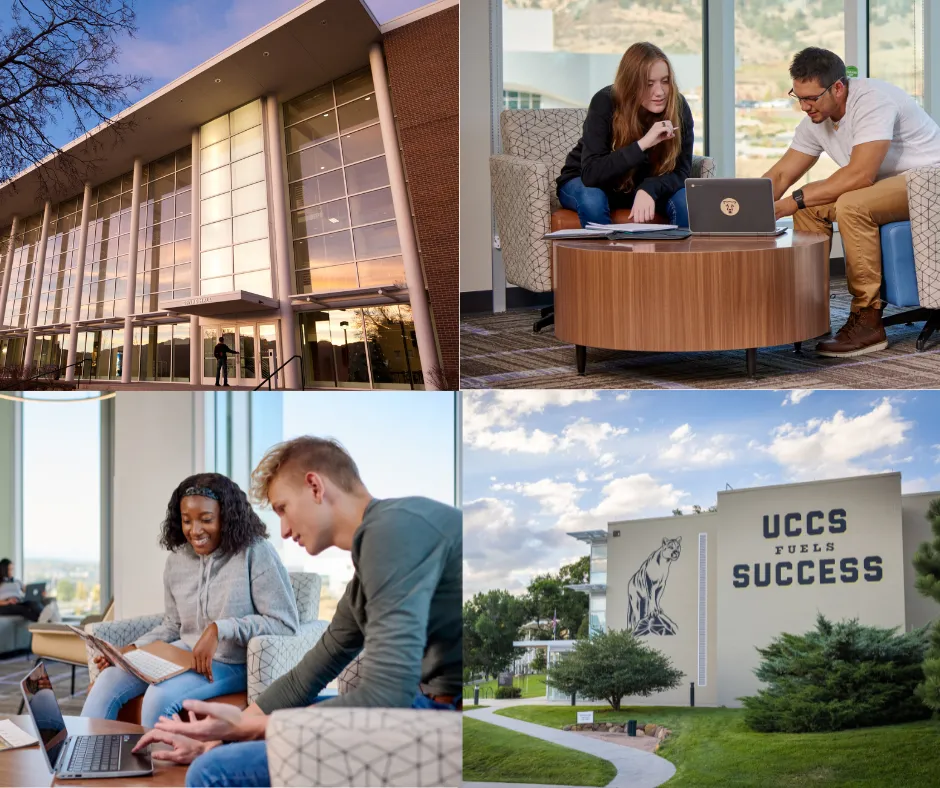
(732, 206)
(78, 757)
(34, 592)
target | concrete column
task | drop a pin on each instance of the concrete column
(79, 279)
(195, 341)
(932, 59)
(132, 272)
(719, 86)
(35, 287)
(414, 276)
(274, 139)
(8, 269)
(856, 35)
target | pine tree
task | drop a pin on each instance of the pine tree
(927, 564)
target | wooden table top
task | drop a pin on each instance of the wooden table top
(26, 766)
(698, 244)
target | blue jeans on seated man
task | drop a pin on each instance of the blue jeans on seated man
(114, 688)
(593, 205)
(246, 763)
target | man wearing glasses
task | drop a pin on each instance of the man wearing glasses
(875, 132)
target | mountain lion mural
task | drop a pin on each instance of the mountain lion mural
(645, 590)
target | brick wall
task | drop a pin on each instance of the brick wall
(422, 61)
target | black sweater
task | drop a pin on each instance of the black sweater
(594, 161)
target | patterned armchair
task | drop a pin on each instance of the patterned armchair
(535, 145)
(910, 253)
(269, 656)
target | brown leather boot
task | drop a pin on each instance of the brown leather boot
(862, 333)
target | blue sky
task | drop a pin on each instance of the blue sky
(174, 36)
(538, 464)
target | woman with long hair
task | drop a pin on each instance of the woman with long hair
(223, 584)
(636, 147)
(13, 600)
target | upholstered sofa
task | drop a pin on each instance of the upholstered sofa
(14, 634)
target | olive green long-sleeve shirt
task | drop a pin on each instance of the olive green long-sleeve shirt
(403, 606)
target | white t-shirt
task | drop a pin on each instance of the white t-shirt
(875, 110)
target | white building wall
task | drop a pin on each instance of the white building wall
(919, 610)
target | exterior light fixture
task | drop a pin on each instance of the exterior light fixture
(218, 80)
(265, 54)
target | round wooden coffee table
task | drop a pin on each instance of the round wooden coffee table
(704, 293)
(27, 766)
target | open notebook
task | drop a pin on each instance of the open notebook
(152, 663)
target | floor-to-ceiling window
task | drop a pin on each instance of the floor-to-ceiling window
(58, 287)
(896, 44)
(25, 249)
(104, 292)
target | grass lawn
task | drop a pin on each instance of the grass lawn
(711, 747)
(532, 687)
(471, 707)
(492, 754)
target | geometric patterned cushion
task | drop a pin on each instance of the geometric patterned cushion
(923, 195)
(271, 656)
(323, 746)
(349, 678)
(306, 587)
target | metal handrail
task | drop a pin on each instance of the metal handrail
(303, 382)
(48, 372)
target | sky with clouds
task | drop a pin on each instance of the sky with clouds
(539, 464)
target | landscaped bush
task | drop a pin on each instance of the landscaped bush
(927, 564)
(503, 693)
(20, 378)
(840, 675)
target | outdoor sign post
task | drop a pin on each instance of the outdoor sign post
(585, 717)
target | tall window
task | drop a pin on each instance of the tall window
(767, 34)
(62, 501)
(25, 249)
(57, 292)
(599, 563)
(896, 44)
(560, 54)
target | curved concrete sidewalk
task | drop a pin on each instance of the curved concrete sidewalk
(635, 768)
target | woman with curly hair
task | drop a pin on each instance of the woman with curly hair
(223, 584)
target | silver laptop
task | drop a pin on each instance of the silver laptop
(732, 206)
(78, 757)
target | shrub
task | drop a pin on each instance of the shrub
(502, 693)
(838, 676)
(927, 564)
(613, 665)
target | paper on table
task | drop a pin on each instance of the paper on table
(631, 227)
(13, 736)
(578, 233)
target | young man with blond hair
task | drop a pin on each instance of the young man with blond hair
(403, 606)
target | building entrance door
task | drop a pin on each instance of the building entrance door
(256, 344)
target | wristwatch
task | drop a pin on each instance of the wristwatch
(798, 199)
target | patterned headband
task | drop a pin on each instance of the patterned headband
(205, 492)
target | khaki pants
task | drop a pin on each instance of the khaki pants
(860, 213)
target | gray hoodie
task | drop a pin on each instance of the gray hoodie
(245, 594)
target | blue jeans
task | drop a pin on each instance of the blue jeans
(593, 205)
(246, 763)
(114, 688)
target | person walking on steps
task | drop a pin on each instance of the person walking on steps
(221, 364)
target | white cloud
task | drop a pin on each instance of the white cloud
(837, 446)
(631, 495)
(606, 460)
(796, 396)
(581, 476)
(604, 477)
(917, 485)
(590, 434)
(680, 433)
(555, 498)
(685, 450)
(623, 397)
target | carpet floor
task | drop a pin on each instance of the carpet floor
(14, 669)
(502, 351)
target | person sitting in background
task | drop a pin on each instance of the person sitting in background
(636, 148)
(13, 600)
(404, 601)
(223, 584)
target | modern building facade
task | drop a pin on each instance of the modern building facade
(261, 199)
(708, 590)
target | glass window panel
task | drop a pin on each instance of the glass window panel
(896, 44)
(184, 157)
(323, 250)
(358, 114)
(392, 344)
(215, 156)
(247, 143)
(258, 282)
(252, 256)
(320, 219)
(313, 103)
(313, 161)
(216, 208)
(362, 144)
(182, 276)
(182, 251)
(161, 233)
(379, 240)
(371, 207)
(250, 198)
(372, 174)
(316, 128)
(216, 263)
(246, 171)
(250, 227)
(377, 273)
(161, 256)
(353, 86)
(312, 191)
(216, 182)
(184, 179)
(181, 351)
(165, 281)
(215, 235)
(164, 166)
(184, 293)
(214, 131)
(329, 279)
(184, 203)
(164, 209)
(247, 116)
(183, 228)
(222, 284)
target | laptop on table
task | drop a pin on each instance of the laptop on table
(732, 206)
(78, 757)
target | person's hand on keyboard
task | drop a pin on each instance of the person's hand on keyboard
(204, 651)
(102, 662)
(220, 722)
(184, 750)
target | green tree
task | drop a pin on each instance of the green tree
(927, 565)
(696, 509)
(611, 666)
(491, 623)
(65, 590)
(838, 676)
(538, 663)
(547, 596)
